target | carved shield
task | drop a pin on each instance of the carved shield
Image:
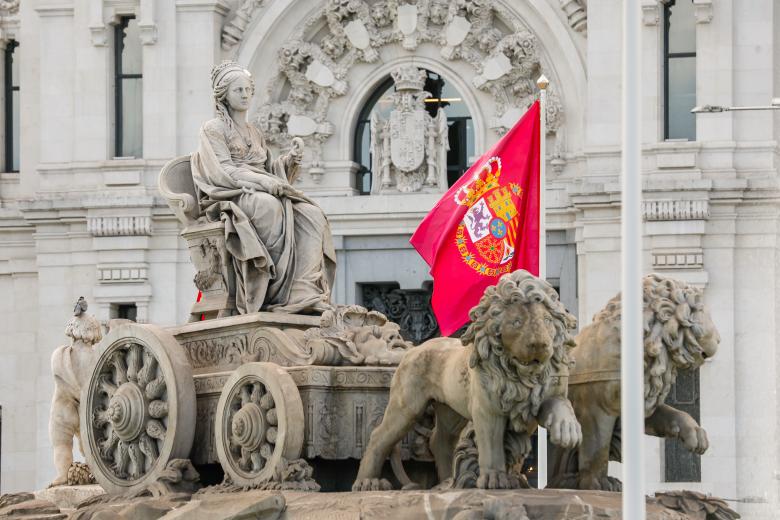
(407, 139)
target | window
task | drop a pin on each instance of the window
(124, 311)
(443, 95)
(679, 70)
(128, 89)
(11, 107)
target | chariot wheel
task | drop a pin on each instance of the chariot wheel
(259, 421)
(137, 411)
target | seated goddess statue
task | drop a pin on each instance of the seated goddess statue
(279, 239)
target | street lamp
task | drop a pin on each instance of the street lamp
(711, 109)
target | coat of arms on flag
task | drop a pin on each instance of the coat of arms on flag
(486, 225)
(487, 234)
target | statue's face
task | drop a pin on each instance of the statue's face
(711, 339)
(528, 333)
(239, 94)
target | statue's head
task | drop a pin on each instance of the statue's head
(233, 86)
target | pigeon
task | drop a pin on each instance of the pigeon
(81, 306)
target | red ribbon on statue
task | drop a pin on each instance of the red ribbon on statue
(486, 225)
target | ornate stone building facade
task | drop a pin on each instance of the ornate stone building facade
(105, 92)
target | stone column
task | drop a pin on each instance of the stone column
(197, 51)
(57, 73)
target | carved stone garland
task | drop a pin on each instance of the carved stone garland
(313, 70)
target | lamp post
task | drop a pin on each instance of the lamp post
(714, 109)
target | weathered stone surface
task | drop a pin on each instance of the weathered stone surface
(679, 335)
(529, 504)
(69, 497)
(31, 510)
(507, 383)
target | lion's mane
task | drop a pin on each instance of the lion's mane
(519, 392)
(673, 323)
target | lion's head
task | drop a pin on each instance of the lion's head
(521, 334)
(678, 331)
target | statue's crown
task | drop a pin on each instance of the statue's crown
(409, 77)
(219, 71)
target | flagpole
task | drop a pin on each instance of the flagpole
(542, 83)
(632, 403)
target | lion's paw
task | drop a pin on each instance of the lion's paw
(495, 479)
(600, 483)
(695, 439)
(372, 484)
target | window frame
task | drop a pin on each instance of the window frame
(9, 89)
(364, 125)
(119, 77)
(666, 57)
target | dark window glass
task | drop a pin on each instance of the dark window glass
(127, 311)
(680, 465)
(12, 123)
(129, 90)
(443, 95)
(679, 70)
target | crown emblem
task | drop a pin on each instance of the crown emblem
(409, 77)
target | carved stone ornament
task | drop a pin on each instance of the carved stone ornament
(409, 151)
(576, 13)
(138, 409)
(233, 31)
(357, 336)
(71, 365)
(315, 62)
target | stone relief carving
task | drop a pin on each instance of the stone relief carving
(11, 6)
(353, 335)
(576, 13)
(409, 308)
(409, 151)
(313, 64)
(71, 366)
(233, 30)
(675, 209)
(108, 226)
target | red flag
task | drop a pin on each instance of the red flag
(486, 225)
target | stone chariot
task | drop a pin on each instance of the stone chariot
(253, 393)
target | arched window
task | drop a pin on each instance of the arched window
(679, 70)
(443, 95)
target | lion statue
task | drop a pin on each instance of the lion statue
(507, 375)
(678, 335)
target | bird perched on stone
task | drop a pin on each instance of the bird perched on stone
(81, 306)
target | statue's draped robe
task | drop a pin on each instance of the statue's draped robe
(281, 247)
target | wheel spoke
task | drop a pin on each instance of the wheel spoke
(158, 409)
(271, 417)
(267, 401)
(133, 362)
(122, 460)
(155, 429)
(120, 368)
(136, 459)
(148, 372)
(257, 461)
(106, 386)
(108, 446)
(257, 392)
(155, 388)
(148, 447)
(245, 395)
(243, 461)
